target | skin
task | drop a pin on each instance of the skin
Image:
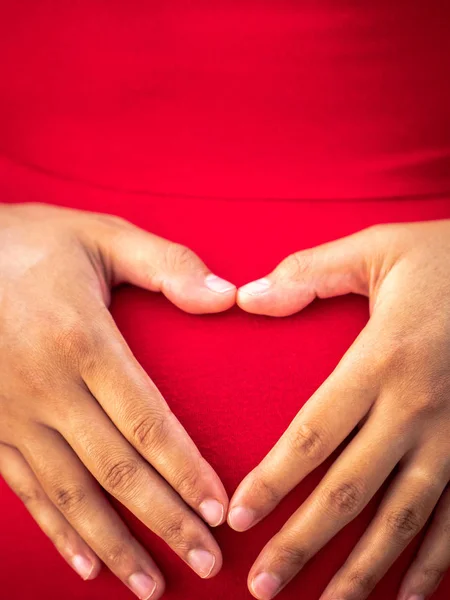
(77, 411)
(394, 385)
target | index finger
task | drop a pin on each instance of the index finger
(316, 431)
(137, 408)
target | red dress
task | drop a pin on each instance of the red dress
(246, 130)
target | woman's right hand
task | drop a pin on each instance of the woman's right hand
(77, 411)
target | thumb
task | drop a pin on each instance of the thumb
(333, 269)
(135, 256)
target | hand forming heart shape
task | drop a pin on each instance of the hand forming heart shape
(395, 382)
(89, 421)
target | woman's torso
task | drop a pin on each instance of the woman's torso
(247, 130)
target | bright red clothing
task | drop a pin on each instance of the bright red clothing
(246, 130)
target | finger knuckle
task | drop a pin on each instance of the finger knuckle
(113, 227)
(446, 529)
(291, 556)
(187, 483)
(151, 431)
(433, 574)
(61, 539)
(117, 553)
(70, 499)
(360, 584)
(173, 531)
(345, 499)
(428, 482)
(403, 524)
(428, 404)
(376, 229)
(30, 495)
(115, 220)
(385, 233)
(178, 256)
(308, 441)
(35, 378)
(73, 341)
(390, 358)
(120, 475)
(264, 490)
(296, 265)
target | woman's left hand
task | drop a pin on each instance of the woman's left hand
(394, 382)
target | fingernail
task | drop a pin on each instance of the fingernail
(142, 585)
(255, 287)
(82, 565)
(201, 561)
(216, 284)
(241, 518)
(265, 586)
(212, 511)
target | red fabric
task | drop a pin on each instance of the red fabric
(246, 130)
(237, 98)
